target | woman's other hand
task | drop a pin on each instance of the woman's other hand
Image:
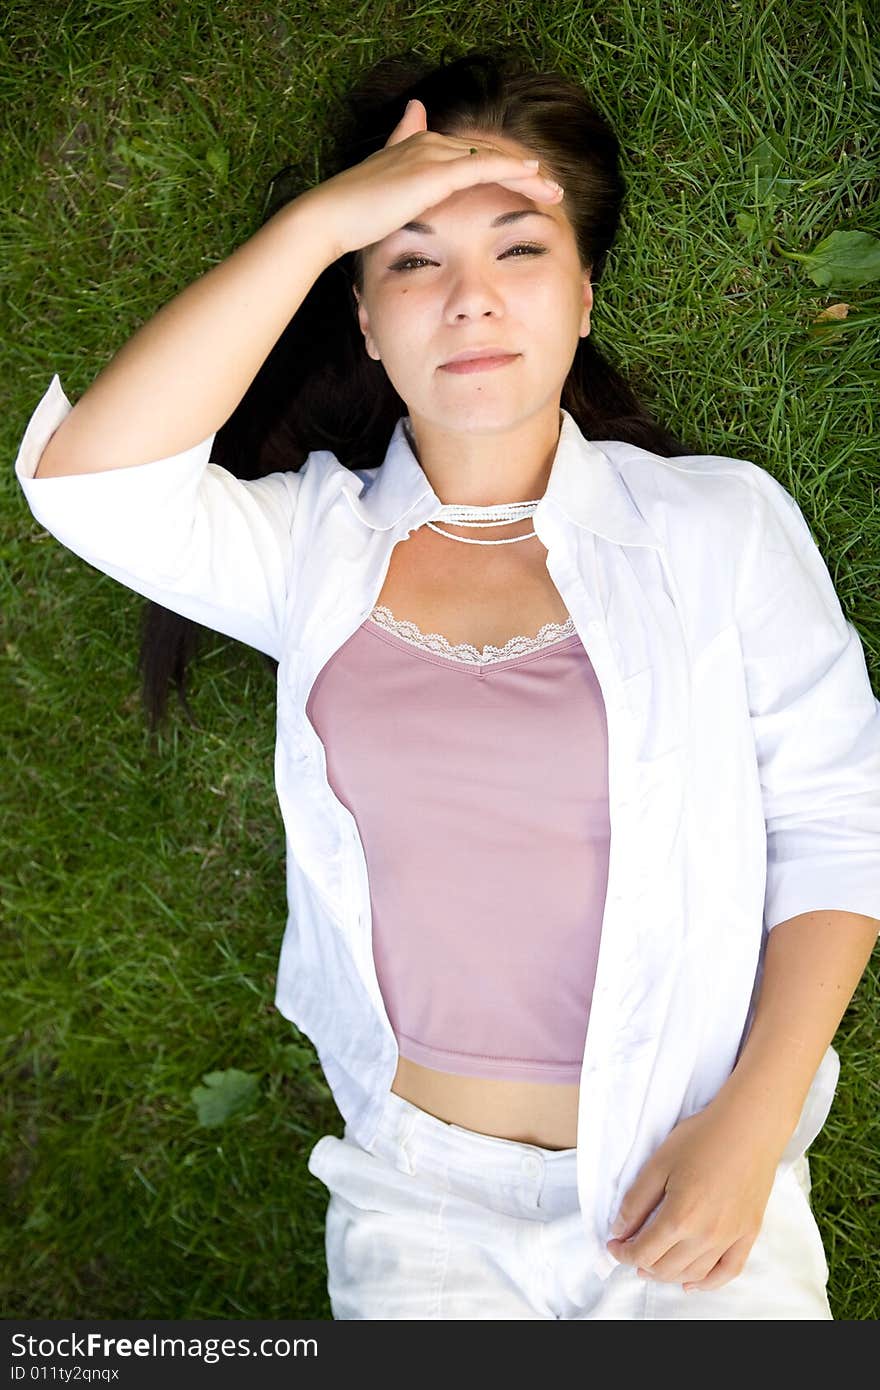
(416, 169)
(697, 1206)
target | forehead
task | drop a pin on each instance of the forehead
(475, 205)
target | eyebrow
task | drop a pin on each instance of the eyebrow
(502, 220)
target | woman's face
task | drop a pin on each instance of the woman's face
(518, 287)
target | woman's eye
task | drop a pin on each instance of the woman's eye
(410, 261)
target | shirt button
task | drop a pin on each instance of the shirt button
(531, 1165)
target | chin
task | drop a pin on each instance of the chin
(478, 409)
(493, 420)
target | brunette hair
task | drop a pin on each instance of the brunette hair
(319, 389)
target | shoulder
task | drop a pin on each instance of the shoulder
(728, 495)
(321, 479)
(729, 528)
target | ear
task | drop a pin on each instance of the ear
(588, 304)
(363, 320)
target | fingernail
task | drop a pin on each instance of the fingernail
(551, 183)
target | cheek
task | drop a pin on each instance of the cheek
(551, 315)
(542, 294)
(399, 323)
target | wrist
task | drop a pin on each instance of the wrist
(316, 229)
(308, 231)
(751, 1106)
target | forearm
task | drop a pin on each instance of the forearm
(181, 375)
(812, 966)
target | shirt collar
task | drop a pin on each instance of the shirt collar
(584, 484)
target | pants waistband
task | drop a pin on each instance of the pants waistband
(504, 1174)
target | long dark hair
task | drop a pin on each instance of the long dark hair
(319, 389)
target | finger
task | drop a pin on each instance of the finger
(642, 1250)
(535, 187)
(478, 153)
(415, 117)
(639, 1239)
(477, 145)
(650, 1246)
(688, 1259)
(692, 1277)
(414, 112)
(641, 1206)
(726, 1268)
(528, 181)
(513, 168)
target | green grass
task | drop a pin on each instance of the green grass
(142, 883)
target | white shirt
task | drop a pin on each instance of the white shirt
(743, 759)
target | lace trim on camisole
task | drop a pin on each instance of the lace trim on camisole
(464, 651)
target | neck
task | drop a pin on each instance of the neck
(484, 468)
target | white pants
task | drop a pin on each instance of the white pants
(438, 1221)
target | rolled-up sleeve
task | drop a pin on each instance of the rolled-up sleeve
(814, 716)
(181, 531)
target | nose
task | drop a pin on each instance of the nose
(472, 297)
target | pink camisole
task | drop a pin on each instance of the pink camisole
(479, 785)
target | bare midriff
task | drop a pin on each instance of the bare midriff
(529, 1112)
(480, 595)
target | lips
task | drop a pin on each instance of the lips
(473, 354)
(478, 362)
